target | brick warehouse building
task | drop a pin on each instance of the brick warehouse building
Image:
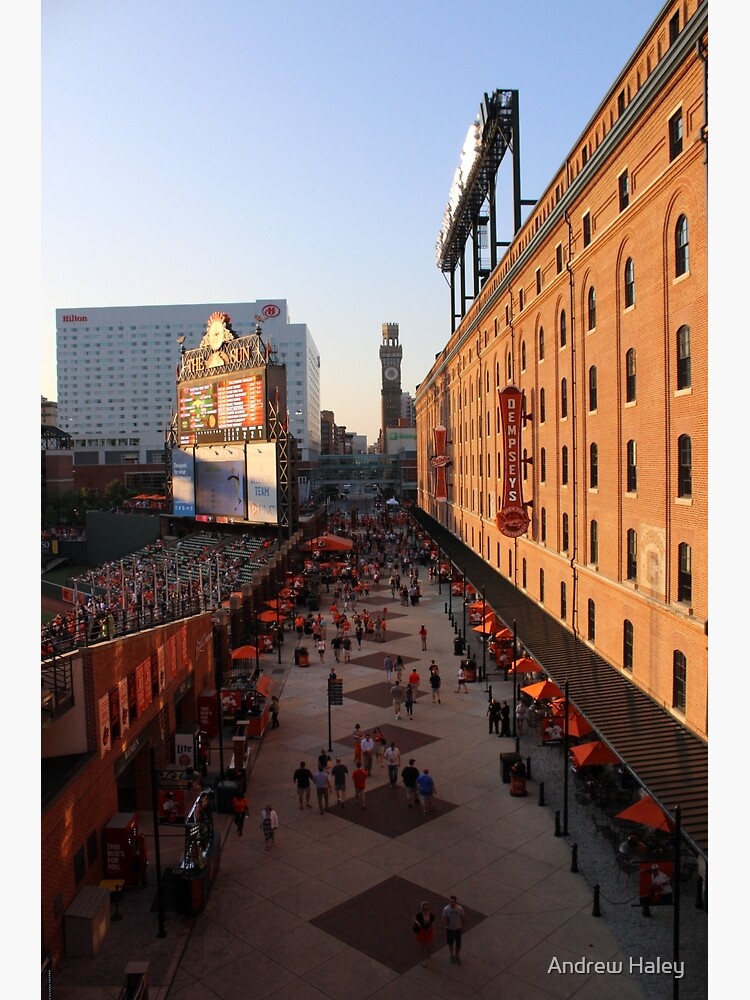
(597, 311)
(86, 778)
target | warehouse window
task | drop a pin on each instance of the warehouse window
(593, 466)
(627, 644)
(563, 329)
(684, 466)
(563, 398)
(592, 308)
(683, 357)
(679, 680)
(632, 467)
(629, 283)
(684, 572)
(675, 135)
(587, 229)
(623, 190)
(591, 633)
(681, 247)
(632, 555)
(593, 383)
(541, 343)
(630, 375)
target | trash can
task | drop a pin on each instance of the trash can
(470, 670)
(225, 792)
(518, 779)
(458, 646)
(507, 760)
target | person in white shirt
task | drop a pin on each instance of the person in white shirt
(393, 760)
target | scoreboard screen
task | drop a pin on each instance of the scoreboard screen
(223, 409)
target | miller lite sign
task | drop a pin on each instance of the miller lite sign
(512, 518)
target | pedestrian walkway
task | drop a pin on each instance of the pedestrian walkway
(327, 912)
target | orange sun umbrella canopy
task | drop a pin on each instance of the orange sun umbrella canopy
(596, 752)
(542, 690)
(647, 812)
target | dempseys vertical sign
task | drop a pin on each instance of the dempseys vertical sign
(512, 518)
(439, 462)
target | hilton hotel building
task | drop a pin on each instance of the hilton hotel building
(116, 374)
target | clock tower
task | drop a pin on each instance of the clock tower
(390, 363)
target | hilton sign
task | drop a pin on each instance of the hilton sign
(512, 518)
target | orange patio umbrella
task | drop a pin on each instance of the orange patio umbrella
(503, 633)
(525, 665)
(270, 616)
(596, 752)
(245, 653)
(647, 812)
(542, 690)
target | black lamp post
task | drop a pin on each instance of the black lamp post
(566, 772)
(515, 654)
(484, 637)
(464, 596)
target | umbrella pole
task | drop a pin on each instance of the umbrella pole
(484, 642)
(566, 769)
(676, 897)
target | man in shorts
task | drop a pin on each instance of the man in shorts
(454, 920)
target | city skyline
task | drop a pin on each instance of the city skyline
(247, 156)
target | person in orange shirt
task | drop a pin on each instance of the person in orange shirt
(423, 637)
(414, 680)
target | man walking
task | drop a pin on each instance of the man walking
(454, 921)
(393, 760)
(426, 791)
(388, 664)
(493, 715)
(302, 778)
(322, 782)
(367, 745)
(423, 636)
(414, 680)
(339, 772)
(240, 810)
(397, 694)
(409, 777)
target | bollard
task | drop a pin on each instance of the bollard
(541, 793)
(699, 893)
(596, 912)
(574, 858)
(557, 823)
(518, 744)
(446, 607)
(645, 908)
(528, 768)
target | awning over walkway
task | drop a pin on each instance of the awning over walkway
(666, 758)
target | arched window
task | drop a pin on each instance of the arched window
(564, 465)
(684, 466)
(564, 398)
(679, 680)
(593, 466)
(563, 329)
(543, 524)
(630, 373)
(541, 343)
(632, 467)
(543, 465)
(683, 357)
(684, 572)
(486, 381)
(632, 555)
(523, 355)
(565, 533)
(563, 601)
(629, 283)
(627, 644)
(509, 366)
(497, 373)
(542, 406)
(594, 542)
(681, 247)
(541, 586)
(592, 308)
(591, 621)
(592, 388)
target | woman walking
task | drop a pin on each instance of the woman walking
(424, 931)
(269, 822)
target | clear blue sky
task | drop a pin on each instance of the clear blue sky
(228, 151)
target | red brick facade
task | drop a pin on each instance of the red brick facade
(612, 380)
(74, 821)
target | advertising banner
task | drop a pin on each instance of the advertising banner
(512, 518)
